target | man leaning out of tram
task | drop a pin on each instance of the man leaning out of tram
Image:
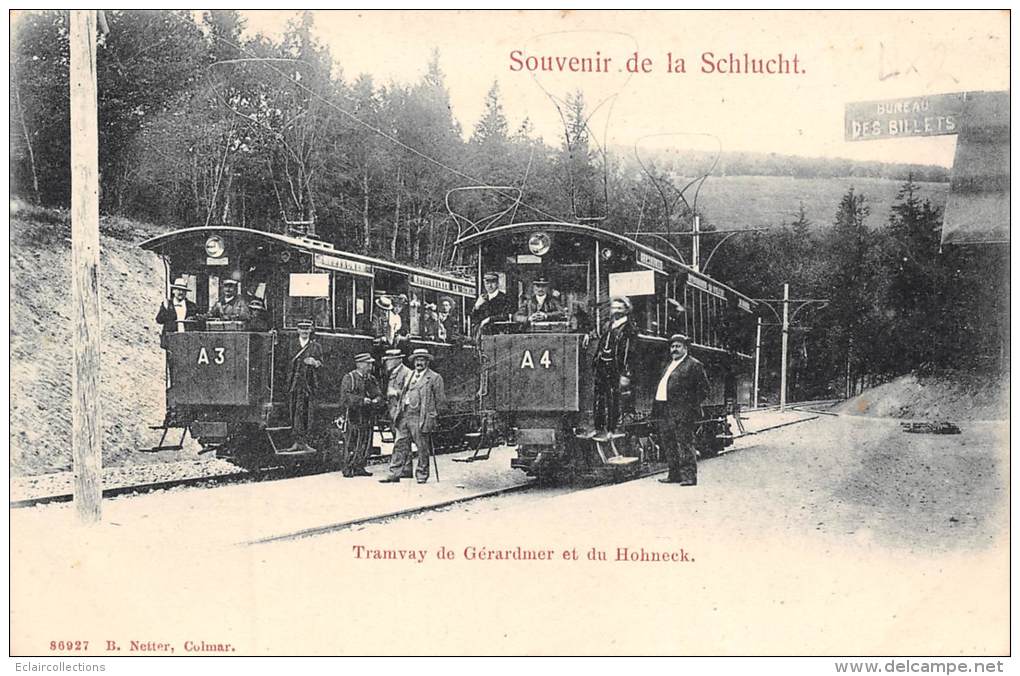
(540, 306)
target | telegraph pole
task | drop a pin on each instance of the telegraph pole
(757, 362)
(786, 335)
(86, 423)
(785, 322)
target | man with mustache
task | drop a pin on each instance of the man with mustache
(677, 410)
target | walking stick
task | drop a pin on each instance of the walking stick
(435, 460)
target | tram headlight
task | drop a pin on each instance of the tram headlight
(214, 246)
(539, 243)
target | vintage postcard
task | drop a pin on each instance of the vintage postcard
(510, 333)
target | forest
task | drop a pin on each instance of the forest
(203, 123)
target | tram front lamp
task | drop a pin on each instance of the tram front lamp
(539, 243)
(214, 247)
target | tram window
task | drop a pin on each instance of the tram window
(363, 304)
(309, 298)
(343, 303)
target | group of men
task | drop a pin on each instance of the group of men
(178, 314)
(399, 319)
(413, 396)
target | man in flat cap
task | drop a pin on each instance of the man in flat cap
(540, 306)
(359, 395)
(493, 305)
(677, 410)
(422, 397)
(259, 315)
(176, 313)
(231, 306)
(612, 363)
(303, 383)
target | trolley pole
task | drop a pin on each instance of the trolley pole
(757, 362)
(86, 424)
(696, 244)
(786, 335)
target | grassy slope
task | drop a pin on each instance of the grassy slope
(132, 363)
(948, 396)
(743, 201)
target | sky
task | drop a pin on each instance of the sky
(841, 57)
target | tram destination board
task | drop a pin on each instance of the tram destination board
(936, 115)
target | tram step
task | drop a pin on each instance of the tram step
(278, 429)
(621, 460)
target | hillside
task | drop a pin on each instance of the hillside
(750, 201)
(952, 396)
(132, 362)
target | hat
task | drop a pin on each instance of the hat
(180, 283)
(490, 277)
(402, 297)
(679, 338)
(444, 299)
(393, 354)
(256, 304)
(421, 352)
(622, 299)
(541, 281)
(230, 280)
(305, 324)
(363, 358)
(384, 302)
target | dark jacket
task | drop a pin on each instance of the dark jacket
(381, 325)
(431, 323)
(167, 316)
(551, 307)
(354, 388)
(236, 309)
(617, 343)
(498, 308)
(686, 389)
(304, 377)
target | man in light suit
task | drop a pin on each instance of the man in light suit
(422, 397)
(677, 410)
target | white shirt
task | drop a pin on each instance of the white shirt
(302, 342)
(660, 393)
(394, 324)
(181, 308)
(618, 322)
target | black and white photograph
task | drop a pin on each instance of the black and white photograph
(510, 333)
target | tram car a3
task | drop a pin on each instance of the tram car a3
(537, 376)
(227, 380)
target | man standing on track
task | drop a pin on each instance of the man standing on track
(677, 410)
(359, 394)
(422, 396)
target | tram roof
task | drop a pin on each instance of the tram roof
(598, 233)
(156, 244)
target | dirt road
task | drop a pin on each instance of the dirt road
(840, 536)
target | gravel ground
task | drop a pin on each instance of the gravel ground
(839, 536)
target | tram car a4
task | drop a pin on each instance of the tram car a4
(537, 372)
(227, 376)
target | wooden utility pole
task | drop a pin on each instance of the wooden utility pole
(757, 363)
(786, 335)
(86, 423)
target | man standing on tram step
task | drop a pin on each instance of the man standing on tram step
(493, 305)
(359, 395)
(540, 306)
(422, 397)
(612, 364)
(231, 306)
(305, 363)
(677, 410)
(177, 313)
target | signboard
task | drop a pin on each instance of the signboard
(309, 285)
(707, 286)
(936, 115)
(442, 285)
(650, 262)
(640, 283)
(341, 265)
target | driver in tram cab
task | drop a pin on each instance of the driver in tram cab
(493, 305)
(540, 306)
(231, 306)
